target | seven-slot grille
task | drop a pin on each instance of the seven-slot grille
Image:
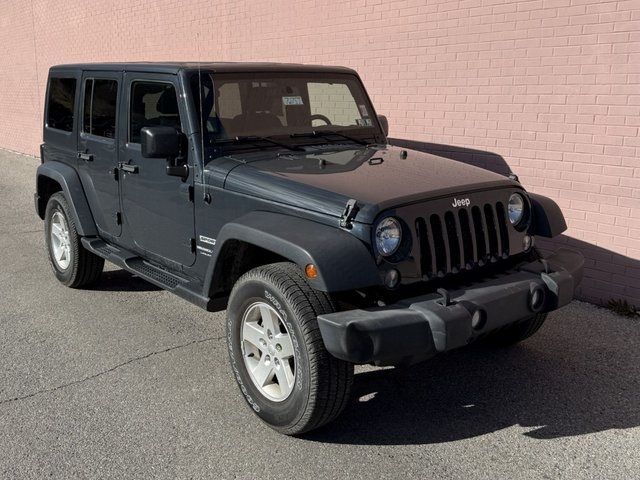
(462, 239)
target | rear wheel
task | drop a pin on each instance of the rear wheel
(72, 264)
(519, 331)
(277, 354)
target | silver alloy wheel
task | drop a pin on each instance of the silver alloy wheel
(267, 349)
(60, 242)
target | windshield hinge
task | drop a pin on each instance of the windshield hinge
(349, 214)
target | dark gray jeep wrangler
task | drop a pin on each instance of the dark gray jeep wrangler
(270, 190)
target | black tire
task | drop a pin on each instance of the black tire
(84, 267)
(322, 382)
(518, 332)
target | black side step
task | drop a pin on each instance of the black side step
(161, 277)
(187, 288)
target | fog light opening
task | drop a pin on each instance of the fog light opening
(392, 278)
(536, 300)
(478, 319)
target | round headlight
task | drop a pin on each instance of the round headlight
(516, 208)
(388, 236)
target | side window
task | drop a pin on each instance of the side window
(100, 103)
(62, 95)
(152, 104)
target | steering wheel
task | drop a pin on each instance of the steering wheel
(320, 117)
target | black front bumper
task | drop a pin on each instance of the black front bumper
(417, 328)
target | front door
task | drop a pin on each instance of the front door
(98, 148)
(157, 209)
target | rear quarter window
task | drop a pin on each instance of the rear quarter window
(61, 103)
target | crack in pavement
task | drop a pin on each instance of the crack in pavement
(104, 372)
(8, 234)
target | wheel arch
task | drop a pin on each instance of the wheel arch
(259, 238)
(52, 177)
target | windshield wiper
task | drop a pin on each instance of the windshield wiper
(325, 133)
(255, 138)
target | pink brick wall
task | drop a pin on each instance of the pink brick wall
(547, 88)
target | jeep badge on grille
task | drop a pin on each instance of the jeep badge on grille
(459, 202)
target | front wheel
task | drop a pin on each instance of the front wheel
(277, 354)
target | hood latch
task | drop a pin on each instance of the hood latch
(351, 209)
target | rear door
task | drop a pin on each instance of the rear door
(98, 148)
(158, 209)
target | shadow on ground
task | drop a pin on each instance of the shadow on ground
(576, 376)
(123, 281)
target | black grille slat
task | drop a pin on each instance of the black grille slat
(468, 240)
(432, 251)
(455, 247)
(496, 223)
(492, 233)
(462, 239)
(441, 254)
(479, 234)
(426, 265)
(504, 234)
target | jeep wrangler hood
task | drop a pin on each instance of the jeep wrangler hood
(378, 177)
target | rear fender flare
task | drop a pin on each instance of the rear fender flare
(71, 186)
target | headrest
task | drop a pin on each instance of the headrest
(167, 103)
(262, 99)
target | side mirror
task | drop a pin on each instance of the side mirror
(165, 142)
(160, 142)
(384, 123)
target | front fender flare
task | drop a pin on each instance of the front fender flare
(71, 186)
(343, 261)
(548, 220)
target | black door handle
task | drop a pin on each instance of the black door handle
(87, 157)
(129, 168)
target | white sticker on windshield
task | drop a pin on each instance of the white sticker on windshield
(297, 100)
(363, 110)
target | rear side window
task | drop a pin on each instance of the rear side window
(152, 104)
(100, 103)
(62, 95)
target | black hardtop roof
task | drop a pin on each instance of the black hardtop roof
(223, 67)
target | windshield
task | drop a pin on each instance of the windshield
(290, 105)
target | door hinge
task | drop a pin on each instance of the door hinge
(350, 211)
(193, 245)
(118, 218)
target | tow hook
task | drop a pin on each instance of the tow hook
(446, 297)
(351, 209)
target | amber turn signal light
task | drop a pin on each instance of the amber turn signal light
(311, 271)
